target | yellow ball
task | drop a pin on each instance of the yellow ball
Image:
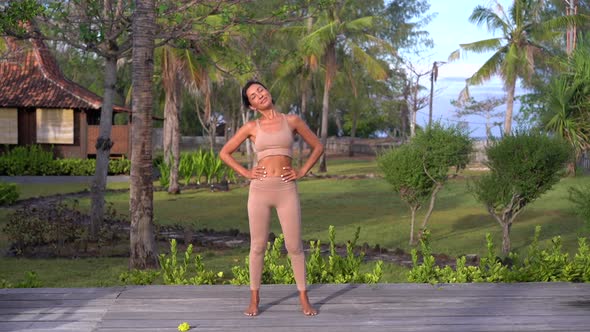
(184, 327)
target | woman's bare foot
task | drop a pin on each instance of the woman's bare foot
(252, 309)
(306, 307)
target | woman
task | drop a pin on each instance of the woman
(272, 184)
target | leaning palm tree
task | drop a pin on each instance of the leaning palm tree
(339, 26)
(523, 32)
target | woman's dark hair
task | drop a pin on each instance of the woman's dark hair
(245, 99)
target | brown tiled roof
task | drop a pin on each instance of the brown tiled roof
(30, 77)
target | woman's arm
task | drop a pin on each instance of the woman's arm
(311, 139)
(232, 145)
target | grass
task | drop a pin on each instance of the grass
(458, 224)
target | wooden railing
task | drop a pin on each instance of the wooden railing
(119, 136)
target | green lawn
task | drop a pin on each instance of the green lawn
(458, 224)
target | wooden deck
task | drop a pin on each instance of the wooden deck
(384, 307)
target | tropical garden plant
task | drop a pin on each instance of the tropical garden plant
(418, 170)
(522, 166)
(523, 32)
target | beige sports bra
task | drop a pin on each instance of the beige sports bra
(274, 143)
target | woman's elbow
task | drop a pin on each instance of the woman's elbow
(319, 147)
(224, 155)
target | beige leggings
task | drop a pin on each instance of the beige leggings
(263, 196)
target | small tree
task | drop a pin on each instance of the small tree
(402, 169)
(523, 166)
(419, 170)
(484, 108)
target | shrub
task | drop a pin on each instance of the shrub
(549, 264)
(418, 171)
(26, 160)
(523, 166)
(8, 193)
(31, 280)
(580, 196)
(139, 277)
(320, 269)
(183, 273)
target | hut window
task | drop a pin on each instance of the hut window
(55, 126)
(8, 126)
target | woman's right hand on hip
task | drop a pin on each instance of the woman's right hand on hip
(258, 172)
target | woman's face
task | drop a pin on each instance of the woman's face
(259, 97)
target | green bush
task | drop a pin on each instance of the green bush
(539, 265)
(523, 166)
(580, 196)
(320, 269)
(417, 171)
(139, 277)
(33, 160)
(31, 280)
(189, 271)
(8, 193)
(119, 166)
(26, 160)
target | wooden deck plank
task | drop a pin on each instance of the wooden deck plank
(537, 307)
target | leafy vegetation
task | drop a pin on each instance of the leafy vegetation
(523, 166)
(550, 264)
(34, 160)
(418, 170)
(8, 193)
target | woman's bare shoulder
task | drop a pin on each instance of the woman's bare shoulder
(293, 119)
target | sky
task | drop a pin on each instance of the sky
(448, 29)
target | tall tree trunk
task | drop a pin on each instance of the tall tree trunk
(103, 149)
(330, 72)
(509, 107)
(211, 125)
(506, 225)
(143, 249)
(302, 115)
(353, 132)
(172, 88)
(249, 154)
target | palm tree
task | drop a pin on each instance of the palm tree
(297, 67)
(338, 26)
(171, 131)
(143, 249)
(567, 105)
(522, 33)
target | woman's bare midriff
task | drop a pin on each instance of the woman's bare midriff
(273, 165)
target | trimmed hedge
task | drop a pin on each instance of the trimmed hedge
(33, 160)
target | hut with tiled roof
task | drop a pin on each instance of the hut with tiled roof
(39, 105)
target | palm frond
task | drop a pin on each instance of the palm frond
(482, 15)
(316, 42)
(359, 24)
(381, 43)
(374, 67)
(455, 55)
(483, 46)
(490, 68)
(566, 21)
